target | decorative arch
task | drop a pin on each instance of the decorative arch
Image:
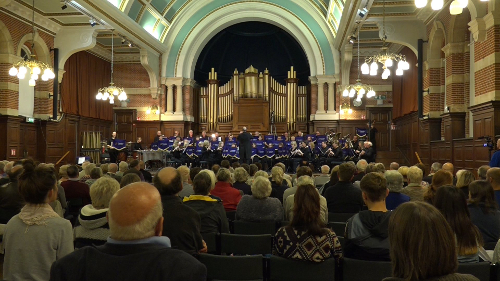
(458, 27)
(180, 59)
(6, 43)
(436, 37)
(41, 50)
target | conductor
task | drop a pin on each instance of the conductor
(245, 146)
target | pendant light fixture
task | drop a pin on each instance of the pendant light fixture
(111, 91)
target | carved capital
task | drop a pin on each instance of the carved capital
(478, 29)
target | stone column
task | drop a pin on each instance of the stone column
(321, 97)
(178, 101)
(331, 98)
(170, 99)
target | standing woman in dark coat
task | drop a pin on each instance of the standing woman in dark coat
(245, 146)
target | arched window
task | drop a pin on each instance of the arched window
(26, 92)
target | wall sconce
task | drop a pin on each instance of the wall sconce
(154, 109)
(345, 108)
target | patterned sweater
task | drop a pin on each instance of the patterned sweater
(294, 244)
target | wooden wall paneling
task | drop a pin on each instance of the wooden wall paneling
(169, 127)
(147, 131)
(3, 137)
(14, 138)
(324, 127)
(381, 116)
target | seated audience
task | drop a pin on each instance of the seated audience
(324, 177)
(451, 169)
(403, 170)
(63, 173)
(37, 236)
(147, 175)
(439, 179)
(187, 188)
(135, 249)
(484, 211)
(307, 238)
(5, 179)
(414, 189)
(334, 179)
(344, 197)
(360, 170)
(278, 183)
(88, 168)
(453, 205)
(123, 167)
(128, 179)
(420, 254)
(82, 171)
(252, 170)
(394, 166)
(366, 234)
(395, 185)
(240, 179)
(259, 207)
(112, 169)
(11, 200)
(436, 166)
(95, 174)
(211, 211)
(134, 168)
(230, 196)
(93, 229)
(74, 189)
(289, 203)
(493, 176)
(181, 223)
(104, 168)
(464, 178)
(301, 171)
(481, 172)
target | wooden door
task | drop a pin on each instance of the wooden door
(382, 116)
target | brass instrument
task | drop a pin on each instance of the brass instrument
(296, 151)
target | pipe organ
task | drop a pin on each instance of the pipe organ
(217, 104)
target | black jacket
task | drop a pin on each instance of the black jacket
(367, 236)
(127, 262)
(245, 145)
(212, 214)
(344, 198)
(369, 155)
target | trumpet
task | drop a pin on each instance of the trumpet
(329, 152)
(296, 152)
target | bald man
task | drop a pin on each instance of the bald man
(112, 169)
(182, 224)
(135, 246)
(493, 176)
(450, 168)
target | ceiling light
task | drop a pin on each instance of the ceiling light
(420, 3)
(123, 41)
(455, 8)
(92, 22)
(362, 12)
(463, 3)
(111, 91)
(437, 4)
(352, 39)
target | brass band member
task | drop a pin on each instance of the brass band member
(367, 153)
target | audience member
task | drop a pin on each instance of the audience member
(215, 168)
(134, 168)
(135, 246)
(187, 188)
(493, 176)
(394, 166)
(278, 183)
(147, 175)
(436, 166)
(324, 177)
(439, 179)
(95, 174)
(5, 179)
(448, 167)
(93, 229)
(37, 236)
(306, 238)
(366, 236)
(481, 172)
(464, 178)
(290, 200)
(11, 200)
(420, 254)
(240, 179)
(230, 196)
(301, 171)
(252, 170)
(360, 170)
(63, 173)
(128, 179)
(484, 211)
(415, 190)
(88, 169)
(74, 189)
(453, 205)
(211, 211)
(225, 164)
(344, 197)
(181, 223)
(403, 170)
(82, 172)
(123, 167)
(112, 169)
(395, 185)
(259, 207)
(334, 178)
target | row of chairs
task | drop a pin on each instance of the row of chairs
(276, 268)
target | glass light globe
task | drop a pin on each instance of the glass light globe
(51, 74)
(32, 83)
(111, 100)
(106, 95)
(388, 63)
(374, 66)
(115, 92)
(420, 3)
(98, 96)
(373, 72)
(399, 72)
(148, 111)
(157, 112)
(345, 93)
(365, 69)
(455, 8)
(352, 92)
(45, 77)
(386, 72)
(406, 66)
(349, 111)
(34, 76)
(361, 91)
(36, 70)
(21, 75)
(437, 4)
(463, 3)
(370, 94)
(13, 71)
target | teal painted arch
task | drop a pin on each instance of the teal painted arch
(293, 8)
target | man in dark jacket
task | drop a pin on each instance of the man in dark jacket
(245, 146)
(11, 200)
(135, 246)
(366, 236)
(344, 197)
(368, 152)
(134, 168)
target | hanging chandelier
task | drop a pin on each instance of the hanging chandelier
(111, 91)
(385, 58)
(153, 109)
(358, 89)
(37, 68)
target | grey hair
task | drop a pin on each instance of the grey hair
(415, 174)
(325, 169)
(361, 165)
(102, 190)
(261, 187)
(394, 180)
(140, 230)
(212, 177)
(436, 166)
(305, 180)
(123, 166)
(240, 174)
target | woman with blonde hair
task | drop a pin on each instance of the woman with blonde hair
(259, 207)
(240, 178)
(278, 184)
(464, 178)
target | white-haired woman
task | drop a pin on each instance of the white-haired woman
(87, 171)
(279, 185)
(122, 168)
(240, 178)
(259, 207)
(395, 185)
(93, 228)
